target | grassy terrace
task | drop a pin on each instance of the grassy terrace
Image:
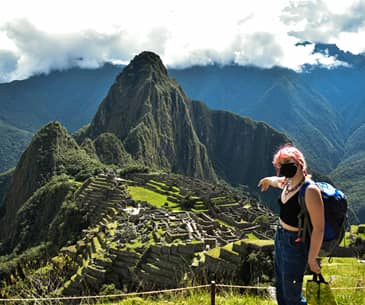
(258, 242)
(156, 199)
(247, 205)
(224, 201)
(215, 252)
(221, 222)
(251, 236)
(163, 187)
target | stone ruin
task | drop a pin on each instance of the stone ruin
(138, 246)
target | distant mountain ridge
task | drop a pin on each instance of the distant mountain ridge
(299, 111)
(322, 110)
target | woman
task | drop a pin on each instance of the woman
(291, 254)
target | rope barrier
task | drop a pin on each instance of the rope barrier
(266, 287)
(242, 287)
(345, 288)
(348, 288)
(151, 292)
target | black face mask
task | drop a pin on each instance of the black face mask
(288, 170)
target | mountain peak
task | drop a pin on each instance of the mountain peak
(53, 130)
(144, 64)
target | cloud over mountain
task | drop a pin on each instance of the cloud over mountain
(328, 22)
(257, 33)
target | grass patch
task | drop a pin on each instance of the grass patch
(224, 201)
(163, 187)
(112, 227)
(215, 252)
(355, 231)
(221, 222)
(199, 209)
(247, 205)
(139, 193)
(345, 273)
(251, 236)
(157, 182)
(350, 236)
(259, 242)
(229, 248)
(96, 243)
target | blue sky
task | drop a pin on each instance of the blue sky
(39, 36)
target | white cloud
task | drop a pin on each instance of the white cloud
(8, 64)
(38, 36)
(325, 21)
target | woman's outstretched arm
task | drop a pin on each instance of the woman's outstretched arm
(273, 181)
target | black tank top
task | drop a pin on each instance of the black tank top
(290, 210)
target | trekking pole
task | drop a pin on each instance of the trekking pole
(212, 293)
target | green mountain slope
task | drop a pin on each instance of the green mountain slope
(13, 142)
(5, 180)
(33, 219)
(295, 109)
(232, 140)
(356, 142)
(349, 174)
(52, 152)
(110, 150)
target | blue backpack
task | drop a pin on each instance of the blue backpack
(335, 210)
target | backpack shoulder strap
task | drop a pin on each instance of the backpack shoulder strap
(303, 216)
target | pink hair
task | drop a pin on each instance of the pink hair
(288, 151)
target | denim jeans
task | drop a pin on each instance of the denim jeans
(290, 264)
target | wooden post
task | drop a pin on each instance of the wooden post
(212, 293)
